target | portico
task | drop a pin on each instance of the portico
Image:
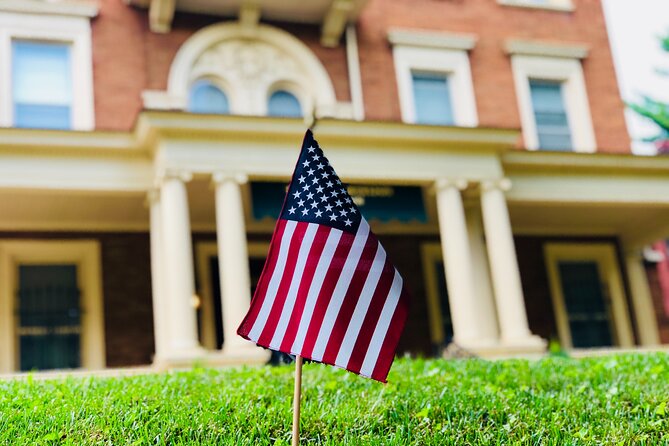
(511, 230)
(450, 165)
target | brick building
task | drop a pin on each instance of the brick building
(146, 144)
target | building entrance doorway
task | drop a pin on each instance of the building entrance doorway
(49, 317)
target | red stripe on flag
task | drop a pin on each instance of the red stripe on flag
(350, 300)
(261, 291)
(274, 315)
(387, 353)
(371, 318)
(307, 277)
(329, 283)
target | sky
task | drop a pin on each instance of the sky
(633, 27)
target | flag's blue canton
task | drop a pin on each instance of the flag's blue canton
(316, 195)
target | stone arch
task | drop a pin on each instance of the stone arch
(250, 62)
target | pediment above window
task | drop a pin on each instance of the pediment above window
(249, 66)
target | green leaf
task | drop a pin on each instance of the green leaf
(661, 409)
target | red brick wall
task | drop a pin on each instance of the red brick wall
(119, 64)
(491, 68)
(128, 306)
(128, 58)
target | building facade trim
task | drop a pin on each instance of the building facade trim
(427, 39)
(549, 5)
(77, 8)
(545, 49)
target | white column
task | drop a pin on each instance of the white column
(511, 311)
(178, 280)
(467, 330)
(646, 321)
(233, 262)
(485, 302)
(160, 302)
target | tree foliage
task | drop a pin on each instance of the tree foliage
(656, 111)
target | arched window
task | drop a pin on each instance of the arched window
(283, 103)
(206, 97)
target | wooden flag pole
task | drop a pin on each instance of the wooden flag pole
(296, 400)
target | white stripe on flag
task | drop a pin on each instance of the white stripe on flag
(275, 281)
(295, 281)
(339, 292)
(315, 288)
(361, 308)
(382, 327)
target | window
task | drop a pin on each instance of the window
(46, 73)
(432, 99)
(588, 295)
(285, 104)
(433, 77)
(550, 115)
(295, 82)
(205, 97)
(551, 94)
(42, 85)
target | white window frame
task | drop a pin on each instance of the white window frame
(559, 64)
(85, 254)
(73, 31)
(551, 5)
(438, 53)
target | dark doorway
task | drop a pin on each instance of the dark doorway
(255, 266)
(587, 304)
(49, 322)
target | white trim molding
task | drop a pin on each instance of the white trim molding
(76, 8)
(74, 31)
(546, 49)
(85, 254)
(442, 53)
(431, 39)
(550, 5)
(569, 73)
(604, 255)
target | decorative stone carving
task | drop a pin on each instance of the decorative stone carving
(247, 63)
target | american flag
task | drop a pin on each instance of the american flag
(328, 291)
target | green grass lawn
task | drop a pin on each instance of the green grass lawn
(609, 400)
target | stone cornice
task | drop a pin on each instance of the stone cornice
(546, 49)
(76, 8)
(431, 39)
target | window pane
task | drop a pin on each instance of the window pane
(42, 116)
(205, 97)
(41, 84)
(432, 99)
(550, 115)
(283, 103)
